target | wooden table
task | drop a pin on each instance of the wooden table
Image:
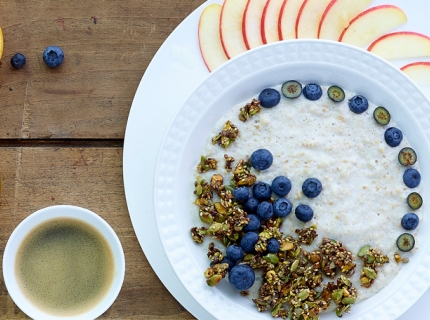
(62, 130)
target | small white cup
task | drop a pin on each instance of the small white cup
(40, 216)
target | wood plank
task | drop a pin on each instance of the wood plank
(107, 46)
(34, 178)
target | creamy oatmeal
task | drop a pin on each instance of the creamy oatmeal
(363, 197)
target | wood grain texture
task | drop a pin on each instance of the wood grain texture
(34, 178)
(107, 46)
(62, 129)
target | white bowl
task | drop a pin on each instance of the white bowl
(61, 211)
(326, 63)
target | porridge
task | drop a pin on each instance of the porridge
(345, 168)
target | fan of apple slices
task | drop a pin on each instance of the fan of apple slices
(229, 29)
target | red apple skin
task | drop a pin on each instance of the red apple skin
(245, 38)
(209, 65)
(221, 33)
(298, 17)
(332, 2)
(279, 20)
(413, 64)
(263, 29)
(244, 25)
(412, 33)
(364, 13)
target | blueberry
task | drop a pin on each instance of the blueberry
(269, 98)
(250, 206)
(311, 187)
(241, 194)
(405, 242)
(410, 221)
(261, 159)
(253, 224)
(230, 263)
(273, 245)
(411, 178)
(248, 241)
(241, 277)
(282, 207)
(281, 186)
(261, 191)
(312, 91)
(393, 136)
(18, 61)
(304, 213)
(265, 210)
(358, 104)
(234, 253)
(53, 56)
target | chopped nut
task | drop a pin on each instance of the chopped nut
(206, 164)
(249, 110)
(242, 174)
(372, 259)
(228, 134)
(228, 162)
(198, 234)
(397, 257)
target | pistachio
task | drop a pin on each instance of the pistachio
(370, 273)
(348, 300)
(275, 310)
(304, 294)
(337, 295)
(294, 265)
(271, 258)
(220, 208)
(345, 280)
(286, 245)
(363, 251)
(214, 280)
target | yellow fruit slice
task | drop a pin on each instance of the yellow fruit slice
(1, 43)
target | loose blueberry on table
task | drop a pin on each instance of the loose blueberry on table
(53, 56)
(18, 60)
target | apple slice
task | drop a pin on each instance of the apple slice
(209, 37)
(337, 16)
(287, 19)
(309, 17)
(401, 45)
(269, 21)
(418, 72)
(231, 27)
(372, 24)
(252, 23)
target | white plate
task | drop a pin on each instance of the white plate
(181, 67)
(326, 63)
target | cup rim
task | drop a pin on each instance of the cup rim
(43, 215)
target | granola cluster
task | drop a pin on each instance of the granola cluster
(372, 259)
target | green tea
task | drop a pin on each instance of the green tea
(65, 266)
